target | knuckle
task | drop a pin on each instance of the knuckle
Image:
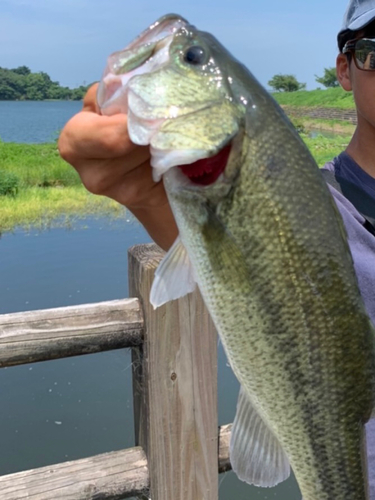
(94, 183)
(64, 150)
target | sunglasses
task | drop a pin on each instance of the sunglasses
(363, 51)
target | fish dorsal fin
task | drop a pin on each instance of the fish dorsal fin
(255, 452)
(174, 277)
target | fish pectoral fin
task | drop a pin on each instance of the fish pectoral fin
(174, 277)
(255, 452)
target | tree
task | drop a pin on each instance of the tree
(286, 83)
(12, 85)
(329, 79)
(7, 93)
(78, 93)
(20, 83)
(36, 87)
(21, 70)
(57, 92)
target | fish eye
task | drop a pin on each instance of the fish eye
(195, 55)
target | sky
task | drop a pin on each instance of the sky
(71, 39)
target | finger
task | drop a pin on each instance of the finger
(137, 190)
(88, 135)
(102, 176)
(89, 101)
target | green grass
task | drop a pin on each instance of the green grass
(50, 192)
(328, 98)
(336, 126)
(325, 149)
(47, 188)
(40, 207)
(36, 165)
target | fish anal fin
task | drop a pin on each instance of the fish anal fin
(174, 277)
(255, 452)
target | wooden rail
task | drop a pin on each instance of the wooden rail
(179, 450)
(116, 475)
(110, 476)
(32, 336)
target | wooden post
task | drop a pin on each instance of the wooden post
(175, 389)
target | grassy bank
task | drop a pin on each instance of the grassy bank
(334, 126)
(36, 165)
(36, 207)
(328, 98)
(325, 149)
(41, 187)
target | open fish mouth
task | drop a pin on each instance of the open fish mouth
(200, 166)
(207, 170)
(133, 83)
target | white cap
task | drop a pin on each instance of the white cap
(358, 14)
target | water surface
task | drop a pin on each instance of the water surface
(34, 121)
(77, 407)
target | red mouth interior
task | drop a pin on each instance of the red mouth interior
(207, 170)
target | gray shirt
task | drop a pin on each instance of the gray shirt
(362, 245)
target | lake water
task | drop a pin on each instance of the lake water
(66, 409)
(33, 122)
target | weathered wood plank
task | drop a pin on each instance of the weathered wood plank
(224, 438)
(32, 336)
(175, 386)
(110, 476)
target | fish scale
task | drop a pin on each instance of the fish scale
(268, 250)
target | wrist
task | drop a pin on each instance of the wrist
(159, 223)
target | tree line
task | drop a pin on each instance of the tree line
(289, 83)
(21, 84)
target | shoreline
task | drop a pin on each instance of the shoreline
(37, 187)
(38, 208)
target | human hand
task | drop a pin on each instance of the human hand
(109, 164)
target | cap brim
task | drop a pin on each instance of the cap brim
(361, 21)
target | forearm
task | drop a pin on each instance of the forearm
(159, 223)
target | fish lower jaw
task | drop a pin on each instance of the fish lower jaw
(142, 131)
(195, 165)
(163, 160)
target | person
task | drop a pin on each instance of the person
(356, 43)
(356, 164)
(109, 164)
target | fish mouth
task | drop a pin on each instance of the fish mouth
(125, 64)
(207, 170)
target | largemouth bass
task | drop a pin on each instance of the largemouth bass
(260, 234)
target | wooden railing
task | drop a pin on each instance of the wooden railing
(180, 449)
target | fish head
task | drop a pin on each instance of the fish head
(177, 87)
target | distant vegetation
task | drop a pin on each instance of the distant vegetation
(285, 83)
(327, 98)
(289, 83)
(21, 84)
(329, 78)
